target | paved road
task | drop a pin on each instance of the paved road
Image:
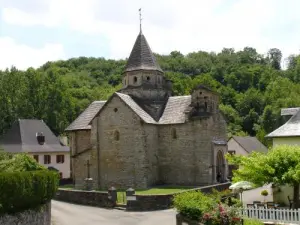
(70, 214)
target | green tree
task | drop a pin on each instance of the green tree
(275, 56)
(281, 165)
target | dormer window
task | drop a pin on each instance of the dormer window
(40, 138)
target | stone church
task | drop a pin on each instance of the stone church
(143, 136)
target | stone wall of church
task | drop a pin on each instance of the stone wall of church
(81, 169)
(186, 151)
(81, 141)
(151, 141)
(125, 144)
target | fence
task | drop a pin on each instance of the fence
(276, 215)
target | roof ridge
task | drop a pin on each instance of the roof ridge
(285, 130)
(180, 96)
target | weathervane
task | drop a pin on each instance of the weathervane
(140, 10)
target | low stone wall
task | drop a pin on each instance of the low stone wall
(159, 202)
(40, 216)
(92, 198)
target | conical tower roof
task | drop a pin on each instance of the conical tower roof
(141, 56)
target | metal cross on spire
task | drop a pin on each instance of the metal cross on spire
(140, 10)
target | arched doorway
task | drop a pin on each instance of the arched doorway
(220, 166)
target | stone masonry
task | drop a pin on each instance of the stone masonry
(143, 136)
(40, 216)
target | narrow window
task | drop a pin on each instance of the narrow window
(116, 135)
(36, 157)
(115, 109)
(47, 159)
(173, 133)
(134, 79)
(148, 78)
(60, 159)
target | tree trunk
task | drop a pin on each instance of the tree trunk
(296, 196)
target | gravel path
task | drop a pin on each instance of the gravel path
(71, 214)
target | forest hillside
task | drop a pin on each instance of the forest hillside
(253, 87)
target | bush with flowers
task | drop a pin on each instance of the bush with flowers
(223, 215)
(206, 209)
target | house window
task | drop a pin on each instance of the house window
(60, 159)
(231, 152)
(47, 159)
(36, 157)
(173, 133)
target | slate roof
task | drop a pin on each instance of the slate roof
(136, 108)
(250, 144)
(289, 111)
(83, 120)
(22, 138)
(175, 110)
(141, 56)
(290, 129)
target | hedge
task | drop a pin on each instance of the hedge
(26, 190)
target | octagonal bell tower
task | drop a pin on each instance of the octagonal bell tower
(144, 80)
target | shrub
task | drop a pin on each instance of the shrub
(193, 204)
(222, 215)
(18, 162)
(26, 190)
(264, 193)
(206, 208)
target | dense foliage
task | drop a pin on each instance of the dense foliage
(24, 184)
(253, 87)
(280, 165)
(18, 163)
(26, 190)
(206, 208)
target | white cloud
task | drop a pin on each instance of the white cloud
(22, 56)
(189, 25)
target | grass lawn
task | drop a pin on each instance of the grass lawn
(162, 190)
(159, 190)
(67, 186)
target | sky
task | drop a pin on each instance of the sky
(33, 32)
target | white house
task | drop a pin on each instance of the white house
(35, 138)
(288, 133)
(243, 146)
